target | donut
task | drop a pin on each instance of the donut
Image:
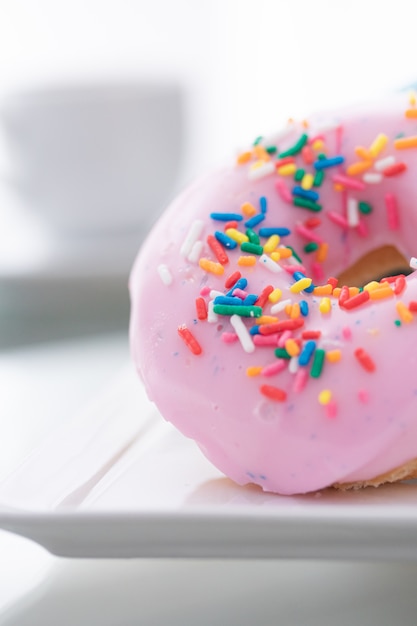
(274, 305)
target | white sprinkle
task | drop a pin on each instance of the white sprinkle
(193, 235)
(293, 365)
(413, 263)
(165, 275)
(212, 317)
(270, 264)
(372, 178)
(260, 171)
(280, 306)
(352, 212)
(292, 260)
(214, 293)
(242, 333)
(196, 250)
(381, 164)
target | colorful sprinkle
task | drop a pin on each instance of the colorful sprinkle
(189, 339)
(365, 360)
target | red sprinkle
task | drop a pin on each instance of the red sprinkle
(232, 280)
(189, 339)
(312, 222)
(273, 393)
(400, 285)
(278, 327)
(308, 155)
(365, 360)
(217, 250)
(355, 301)
(392, 211)
(344, 295)
(413, 306)
(284, 161)
(231, 224)
(391, 279)
(332, 281)
(263, 296)
(393, 170)
(201, 308)
(311, 334)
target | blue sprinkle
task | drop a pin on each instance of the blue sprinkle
(307, 352)
(254, 330)
(263, 203)
(226, 217)
(304, 307)
(309, 194)
(255, 220)
(227, 300)
(240, 284)
(250, 299)
(267, 232)
(298, 276)
(325, 163)
(225, 240)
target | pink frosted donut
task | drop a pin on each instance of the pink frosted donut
(272, 321)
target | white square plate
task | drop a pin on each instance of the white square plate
(119, 481)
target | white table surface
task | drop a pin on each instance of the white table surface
(42, 387)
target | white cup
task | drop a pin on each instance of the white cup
(96, 157)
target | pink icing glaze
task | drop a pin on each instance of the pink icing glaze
(369, 424)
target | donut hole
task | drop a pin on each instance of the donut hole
(376, 264)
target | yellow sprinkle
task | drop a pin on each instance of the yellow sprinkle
(288, 169)
(378, 145)
(292, 347)
(363, 153)
(333, 355)
(260, 153)
(254, 370)
(275, 256)
(325, 396)
(246, 261)
(295, 311)
(267, 319)
(285, 253)
(243, 157)
(325, 305)
(405, 315)
(300, 285)
(405, 142)
(307, 181)
(412, 98)
(321, 254)
(411, 114)
(271, 243)
(211, 266)
(236, 235)
(318, 144)
(358, 168)
(384, 291)
(248, 209)
(257, 164)
(323, 290)
(275, 295)
(372, 285)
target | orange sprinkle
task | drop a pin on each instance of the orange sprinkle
(295, 311)
(246, 261)
(261, 154)
(411, 114)
(254, 370)
(267, 319)
(288, 309)
(292, 347)
(248, 209)
(243, 157)
(333, 355)
(211, 266)
(284, 253)
(321, 254)
(358, 168)
(384, 291)
(353, 291)
(403, 143)
(363, 153)
(323, 290)
(336, 292)
(405, 314)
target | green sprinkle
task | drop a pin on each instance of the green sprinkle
(318, 178)
(252, 236)
(318, 361)
(238, 309)
(252, 248)
(258, 140)
(307, 204)
(281, 353)
(299, 175)
(271, 149)
(311, 247)
(295, 254)
(296, 148)
(397, 322)
(321, 156)
(365, 208)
